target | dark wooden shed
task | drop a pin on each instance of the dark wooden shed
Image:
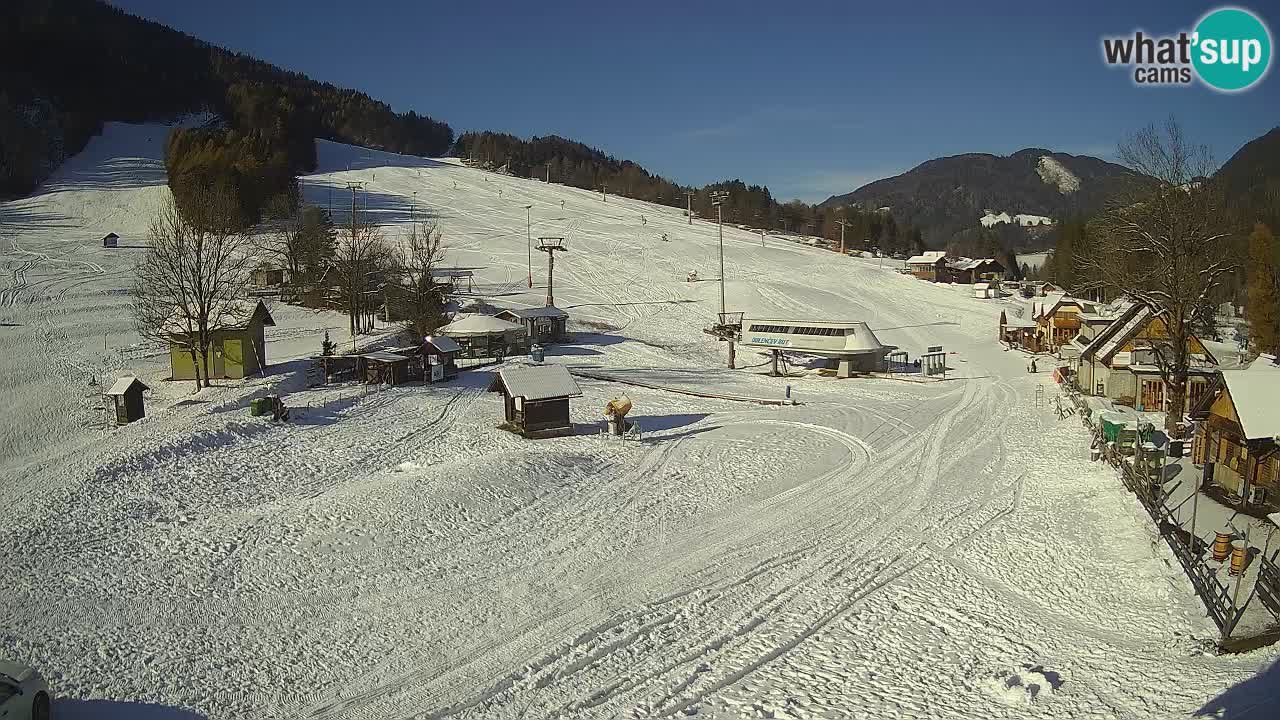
(536, 399)
(544, 324)
(110, 240)
(386, 367)
(126, 393)
(440, 353)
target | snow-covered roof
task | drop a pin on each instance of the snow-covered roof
(1019, 322)
(539, 382)
(469, 325)
(1053, 301)
(384, 356)
(1255, 392)
(1107, 332)
(122, 385)
(548, 311)
(442, 343)
(928, 258)
(972, 263)
(1124, 329)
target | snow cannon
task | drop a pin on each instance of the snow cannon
(615, 412)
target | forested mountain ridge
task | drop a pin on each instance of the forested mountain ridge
(948, 195)
(1251, 179)
(67, 66)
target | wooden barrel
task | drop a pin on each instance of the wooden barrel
(1239, 553)
(1222, 545)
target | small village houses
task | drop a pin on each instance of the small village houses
(967, 271)
(1237, 438)
(931, 266)
(1058, 320)
(1120, 363)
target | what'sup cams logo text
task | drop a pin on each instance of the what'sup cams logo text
(1229, 50)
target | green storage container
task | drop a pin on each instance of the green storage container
(258, 406)
(1111, 425)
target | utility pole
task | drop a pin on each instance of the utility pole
(528, 236)
(717, 199)
(604, 193)
(550, 246)
(841, 222)
(688, 204)
(354, 303)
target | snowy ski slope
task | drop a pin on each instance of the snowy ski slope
(884, 549)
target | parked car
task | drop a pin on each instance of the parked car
(24, 695)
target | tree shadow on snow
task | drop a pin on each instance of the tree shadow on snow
(565, 350)
(1250, 699)
(658, 423)
(597, 339)
(65, 709)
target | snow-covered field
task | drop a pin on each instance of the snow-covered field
(883, 549)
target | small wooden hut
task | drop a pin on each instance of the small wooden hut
(543, 324)
(126, 393)
(440, 353)
(383, 367)
(536, 399)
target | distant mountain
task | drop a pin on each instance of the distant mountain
(949, 195)
(67, 66)
(1251, 179)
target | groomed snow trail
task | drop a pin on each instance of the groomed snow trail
(884, 549)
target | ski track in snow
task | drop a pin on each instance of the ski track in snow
(884, 549)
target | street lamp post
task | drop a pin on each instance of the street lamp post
(528, 234)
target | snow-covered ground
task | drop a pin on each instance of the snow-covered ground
(883, 549)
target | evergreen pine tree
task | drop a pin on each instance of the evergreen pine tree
(1263, 307)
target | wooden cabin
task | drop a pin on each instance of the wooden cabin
(1018, 332)
(544, 324)
(111, 240)
(386, 368)
(440, 353)
(238, 347)
(1237, 438)
(536, 399)
(931, 266)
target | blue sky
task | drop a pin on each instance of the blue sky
(809, 98)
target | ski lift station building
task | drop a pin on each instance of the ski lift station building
(853, 344)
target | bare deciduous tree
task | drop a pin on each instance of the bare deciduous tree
(359, 269)
(303, 244)
(420, 299)
(1164, 240)
(192, 281)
